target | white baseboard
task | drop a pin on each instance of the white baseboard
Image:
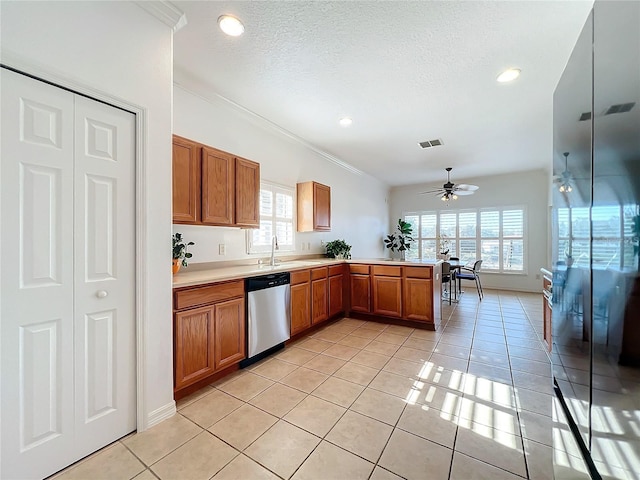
(161, 414)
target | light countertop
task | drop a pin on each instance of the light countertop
(190, 276)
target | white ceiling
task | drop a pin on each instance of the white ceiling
(404, 71)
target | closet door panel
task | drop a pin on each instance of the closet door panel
(36, 254)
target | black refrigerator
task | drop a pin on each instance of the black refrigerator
(595, 250)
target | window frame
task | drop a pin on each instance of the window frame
(455, 240)
(274, 188)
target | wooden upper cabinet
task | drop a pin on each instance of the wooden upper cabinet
(314, 207)
(247, 193)
(213, 187)
(387, 296)
(218, 183)
(186, 181)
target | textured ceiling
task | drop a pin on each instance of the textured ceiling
(404, 71)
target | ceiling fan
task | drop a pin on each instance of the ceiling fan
(565, 179)
(451, 191)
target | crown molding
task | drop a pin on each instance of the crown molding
(180, 80)
(166, 12)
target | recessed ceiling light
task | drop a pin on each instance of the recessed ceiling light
(509, 75)
(230, 25)
(346, 121)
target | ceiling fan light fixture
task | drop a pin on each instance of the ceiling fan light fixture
(508, 75)
(230, 25)
(565, 186)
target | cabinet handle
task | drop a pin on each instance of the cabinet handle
(101, 293)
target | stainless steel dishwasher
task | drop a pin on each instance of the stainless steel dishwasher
(268, 314)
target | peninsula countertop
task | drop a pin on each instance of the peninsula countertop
(199, 274)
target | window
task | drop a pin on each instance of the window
(495, 235)
(610, 241)
(276, 218)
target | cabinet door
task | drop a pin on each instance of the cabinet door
(360, 293)
(387, 296)
(193, 348)
(321, 207)
(229, 332)
(247, 193)
(217, 187)
(418, 299)
(186, 181)
(300, 319)
(319, 301)
(335, 295)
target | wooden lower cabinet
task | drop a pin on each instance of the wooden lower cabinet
(319, 301)
(300, 318)
(336, 297)
(228, 331)
(209, 331)
(387, 296)
(418, 303)
(194, 345)
(360, 293)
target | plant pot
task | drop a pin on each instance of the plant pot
(177, 263)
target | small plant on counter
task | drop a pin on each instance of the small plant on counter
(338, 249)
(400, 241)
(180, 250)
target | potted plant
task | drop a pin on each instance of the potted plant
(400, 241)
(180, 252)
(338, 249)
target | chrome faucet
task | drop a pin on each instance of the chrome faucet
(274, 247)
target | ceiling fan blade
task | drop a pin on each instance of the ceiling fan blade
(437, 190)
(466, 187)
(463, 192)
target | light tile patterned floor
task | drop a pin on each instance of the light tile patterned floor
(367, 400)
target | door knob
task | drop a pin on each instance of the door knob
(101, 293)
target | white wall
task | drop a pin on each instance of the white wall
(529, 189)
(359, 212)
(116, 49)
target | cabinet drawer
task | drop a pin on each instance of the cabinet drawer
(317, 273)
(209, 294)
(387, 271)
(300, 276)
(417, 272)
(335, 270)
(360, 269)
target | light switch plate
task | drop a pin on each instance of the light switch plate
(222, 249)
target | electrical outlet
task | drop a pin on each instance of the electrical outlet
(222, 249)
(322, 243)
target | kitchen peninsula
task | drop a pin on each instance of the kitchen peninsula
(209, 306)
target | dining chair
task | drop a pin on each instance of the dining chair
(448, 277)
(467, 273)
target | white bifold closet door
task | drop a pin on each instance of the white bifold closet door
(67, 310)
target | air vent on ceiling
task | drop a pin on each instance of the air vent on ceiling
(585, 116)
(431, 143)
(620, 108)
